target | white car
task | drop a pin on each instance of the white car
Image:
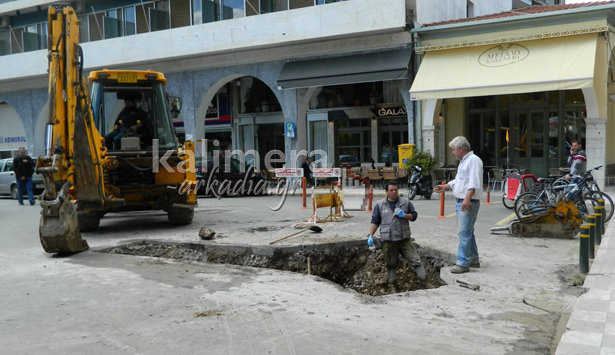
(8, 184)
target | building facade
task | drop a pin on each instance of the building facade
(521, 86)
(258, 75)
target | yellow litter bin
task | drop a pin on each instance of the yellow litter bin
(404, 152)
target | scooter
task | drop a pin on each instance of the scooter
(419, 184)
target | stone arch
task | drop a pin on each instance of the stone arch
(207, 82)
(40, 131)
(13, 133)
(28, 104)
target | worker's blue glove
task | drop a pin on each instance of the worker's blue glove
(370, 241)
(401, 214)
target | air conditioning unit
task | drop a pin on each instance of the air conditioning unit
(5, 21)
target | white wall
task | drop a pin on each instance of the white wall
(429, 11)
(336, 20)
(484, 7)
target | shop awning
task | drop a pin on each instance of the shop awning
(562, 63)
(359, 68)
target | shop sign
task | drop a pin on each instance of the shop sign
(503, 54)
(390, 111)
(288, 172)
(16, 139)
(327, 172)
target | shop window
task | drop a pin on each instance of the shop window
(256, 97)
(362, 94)
(322, 2)
(553, 98)
(573, 97)
(482, 102)
(319, 138)
(504, 129)
(529, 97)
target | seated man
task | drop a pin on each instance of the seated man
(127, 123)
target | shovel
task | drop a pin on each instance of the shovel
(314, 228)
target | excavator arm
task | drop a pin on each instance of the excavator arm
(75, 150)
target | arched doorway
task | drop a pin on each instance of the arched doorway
(240, 112)
(12, 131)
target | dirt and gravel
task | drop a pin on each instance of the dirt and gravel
(353, 267)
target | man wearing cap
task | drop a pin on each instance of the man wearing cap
(468, 189)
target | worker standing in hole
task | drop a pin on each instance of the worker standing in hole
(393, 215)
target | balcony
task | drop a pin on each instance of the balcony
(336, 20)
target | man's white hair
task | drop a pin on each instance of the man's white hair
(460, 142)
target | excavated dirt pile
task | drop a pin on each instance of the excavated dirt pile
(354, 267)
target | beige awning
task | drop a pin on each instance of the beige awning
(562, 63)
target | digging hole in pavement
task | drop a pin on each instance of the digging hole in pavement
(353, 267)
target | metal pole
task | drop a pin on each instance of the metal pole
(583, 250)
(591, 222)
(603, 226)
(598, 213)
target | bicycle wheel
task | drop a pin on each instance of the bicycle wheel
(521, 203)
(586, 206)
(608, 203)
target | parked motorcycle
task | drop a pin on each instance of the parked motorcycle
(419, 184)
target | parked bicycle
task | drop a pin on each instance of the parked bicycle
(531, 206)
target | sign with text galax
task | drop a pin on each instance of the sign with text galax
(288, 172)
(327, 172)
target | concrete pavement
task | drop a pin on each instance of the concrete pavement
(102, 304)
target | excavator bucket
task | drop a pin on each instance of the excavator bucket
(59, 229)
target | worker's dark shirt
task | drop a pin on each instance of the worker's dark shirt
(377, 219)
(129, 117)
(23, 166)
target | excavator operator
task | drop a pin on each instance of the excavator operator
(129, 122)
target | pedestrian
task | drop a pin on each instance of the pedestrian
(577, 160)
(468, 189)
(24, 168)
(393, 215)
(307, 170)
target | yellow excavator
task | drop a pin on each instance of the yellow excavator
(104, 155)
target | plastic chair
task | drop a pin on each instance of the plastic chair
(402, 175)
(374, 176)
(388, 174)
(495, 177)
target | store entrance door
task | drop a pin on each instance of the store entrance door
(528, 140)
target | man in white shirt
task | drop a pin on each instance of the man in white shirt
(468, 190)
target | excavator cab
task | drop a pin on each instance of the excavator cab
(130, 115)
